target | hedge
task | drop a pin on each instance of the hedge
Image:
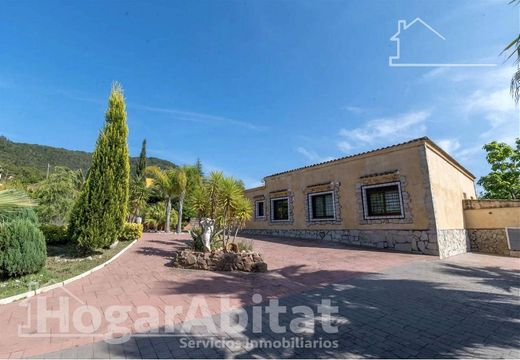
(131, 232)
(54, 234)
(22, 213)
(22, 248)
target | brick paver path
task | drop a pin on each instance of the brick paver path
(390, 304)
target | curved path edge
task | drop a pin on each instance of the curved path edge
(44, 289)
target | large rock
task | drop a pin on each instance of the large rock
(220, 261)
(190, 259)
(259, 267)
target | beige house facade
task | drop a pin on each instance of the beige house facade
(406, 197)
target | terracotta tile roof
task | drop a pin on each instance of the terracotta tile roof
(422, 139)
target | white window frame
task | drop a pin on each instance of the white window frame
(379, 217)
(256, 209)
(271, 209)
(309, 205)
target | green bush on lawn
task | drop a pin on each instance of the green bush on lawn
(131, 232)
(21, 213)
(22, 248)
(54, 234)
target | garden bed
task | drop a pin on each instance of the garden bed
(218, 260)
(63, 262)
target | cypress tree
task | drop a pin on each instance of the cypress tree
(141, 163)
(198, 166)
(99, 214)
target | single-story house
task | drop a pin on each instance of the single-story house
(406, 197)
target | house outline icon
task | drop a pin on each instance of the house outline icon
(402, 25)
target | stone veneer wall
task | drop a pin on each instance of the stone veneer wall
(452, 242)
(449, 242)
(490, 241)
(415, 241)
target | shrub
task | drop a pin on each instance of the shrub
(245, 245)
(54, 234)
(198, 244)
(20, 213)
(155, 217)
(22, 248)
(131, 232)
(56, 195)
(196, 235)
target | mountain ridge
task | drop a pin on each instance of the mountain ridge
(29, 162)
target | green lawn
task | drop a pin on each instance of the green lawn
(63, 262)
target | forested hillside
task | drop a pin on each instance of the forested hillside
(28, 162)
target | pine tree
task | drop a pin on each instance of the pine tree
(141, 163)
(99, 214)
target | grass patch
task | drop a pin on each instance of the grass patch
(63, 262)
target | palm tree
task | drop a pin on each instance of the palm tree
(514, 47)
(180, 182)
(166, 183)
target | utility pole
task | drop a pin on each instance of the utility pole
(48, 168)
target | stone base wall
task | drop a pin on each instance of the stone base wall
(415, 241)
(490, 241)
(452, 242)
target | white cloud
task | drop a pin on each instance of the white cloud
(485, 110)
(312, 155)
(470, 153)
(387, 129)
(495, 105)
(198, 117)
(435, 73)
(344, 146)
(449, 145)
(354, 109)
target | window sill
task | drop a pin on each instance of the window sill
(383, 217)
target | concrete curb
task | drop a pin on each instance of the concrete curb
(44, 289)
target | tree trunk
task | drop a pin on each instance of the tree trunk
(224, 242)
(168, 211)
(179, 222)
(236, 232)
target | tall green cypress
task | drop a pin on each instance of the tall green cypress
(99, 214)
(198, 166)
(141, 163)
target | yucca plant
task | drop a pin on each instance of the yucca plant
(221, 199)
(243, 212)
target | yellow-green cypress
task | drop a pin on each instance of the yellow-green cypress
(99, 214)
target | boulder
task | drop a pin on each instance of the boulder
(259, 267)
(219, 261)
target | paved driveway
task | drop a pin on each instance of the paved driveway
(389, 304)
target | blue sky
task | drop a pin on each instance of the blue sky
(257, 87)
